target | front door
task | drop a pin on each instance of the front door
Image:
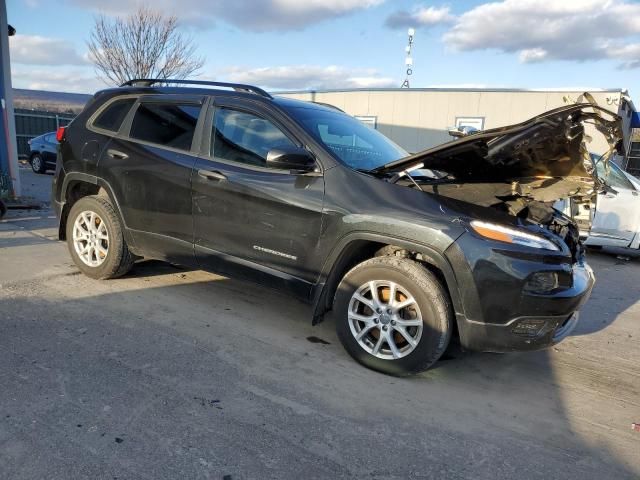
(249, 219)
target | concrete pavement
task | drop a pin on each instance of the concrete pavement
(171, 373)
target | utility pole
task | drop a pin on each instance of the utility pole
(9, 174)
(408, 61)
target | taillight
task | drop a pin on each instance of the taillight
(60, 134)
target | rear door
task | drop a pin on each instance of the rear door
(617, 215)
(149, 165)
(251, 220)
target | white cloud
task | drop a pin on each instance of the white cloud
(56, 79)
(630, 56)
(37, 50)
(420, 17)
(530, 55)
(539, 30)
(255, 15)
(301, 77)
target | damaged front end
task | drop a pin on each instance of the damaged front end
(519, 170)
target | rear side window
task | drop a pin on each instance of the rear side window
(111, 118)
(167, 124)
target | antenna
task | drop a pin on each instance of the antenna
(408, 61)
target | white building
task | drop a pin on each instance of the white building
(420, 118)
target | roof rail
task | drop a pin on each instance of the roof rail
(328, 105)
(238, 87)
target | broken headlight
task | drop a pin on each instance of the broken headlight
(505, 234)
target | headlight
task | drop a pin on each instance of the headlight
(511, 235)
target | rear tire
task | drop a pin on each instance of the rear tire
(95, 239)
(419, 331)
(37, 163)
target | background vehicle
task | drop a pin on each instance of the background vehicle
(43, 152)
(613, 219)
(402, 249)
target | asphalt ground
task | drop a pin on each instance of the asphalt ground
(173, 373)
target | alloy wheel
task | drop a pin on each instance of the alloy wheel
(90, 238)
(385, 319)
(36, 163)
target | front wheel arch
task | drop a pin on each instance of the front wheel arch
(360, 246)
(364, 323)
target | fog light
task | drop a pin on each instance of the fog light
(529, 327)
(542, 282)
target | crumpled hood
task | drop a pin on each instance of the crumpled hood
(544, 159)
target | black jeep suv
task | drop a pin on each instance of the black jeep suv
(404, 250)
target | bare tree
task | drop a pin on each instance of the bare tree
(145, 44)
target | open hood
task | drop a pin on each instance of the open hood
(543, 159)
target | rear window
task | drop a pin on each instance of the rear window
(167, 124)
(111, 118)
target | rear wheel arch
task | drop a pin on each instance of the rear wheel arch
(79, 185)
(95, 238)
(356, 249)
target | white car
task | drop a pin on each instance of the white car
(614, 219)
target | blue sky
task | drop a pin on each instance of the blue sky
(293, 44)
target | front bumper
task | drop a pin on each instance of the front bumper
(482, 337)
(500, 315)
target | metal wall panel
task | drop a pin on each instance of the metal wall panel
(32, 123)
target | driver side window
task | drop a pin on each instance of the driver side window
(245, 138)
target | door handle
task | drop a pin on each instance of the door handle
(212, 175)
(117, 154)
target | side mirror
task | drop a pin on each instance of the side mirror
(291, 158)
(462, 131)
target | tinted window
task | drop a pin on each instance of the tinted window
(51, 138)
(246, 138)
(350, 140)
(111, 118)
(167, 124)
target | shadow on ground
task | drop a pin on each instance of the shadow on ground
(177, 374)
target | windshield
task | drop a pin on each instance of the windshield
(351, 141)
(612, 176)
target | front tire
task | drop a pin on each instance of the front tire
(37, 164)
(95, 239)
(393, 315)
